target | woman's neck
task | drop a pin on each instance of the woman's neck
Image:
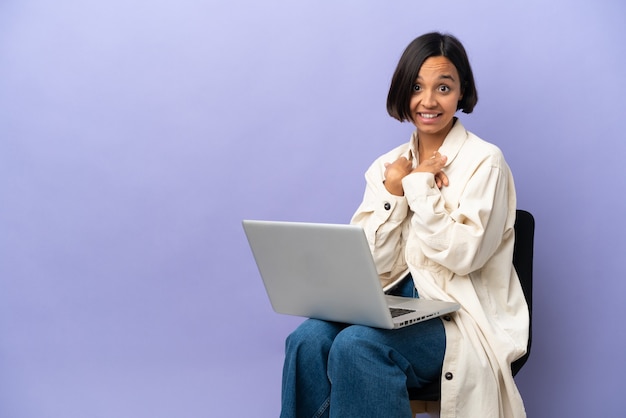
(427, 144)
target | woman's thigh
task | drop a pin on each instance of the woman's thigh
(316, 331)
(417, 349)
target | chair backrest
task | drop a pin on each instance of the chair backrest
(523, 262)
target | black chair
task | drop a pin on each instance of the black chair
(427, 399)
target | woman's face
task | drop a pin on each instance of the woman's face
(436, 93)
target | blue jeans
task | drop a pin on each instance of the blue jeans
(339, 370)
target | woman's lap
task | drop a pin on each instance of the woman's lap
(421, 344)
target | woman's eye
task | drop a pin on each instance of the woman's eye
(444, 89)
(416, 88)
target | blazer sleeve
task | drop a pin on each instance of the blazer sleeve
(382, 216)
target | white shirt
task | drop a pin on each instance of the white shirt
(457, 242)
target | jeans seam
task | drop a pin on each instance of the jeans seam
(322, 408)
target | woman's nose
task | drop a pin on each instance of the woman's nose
(428, 99)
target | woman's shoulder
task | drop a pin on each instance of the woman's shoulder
(478, 145)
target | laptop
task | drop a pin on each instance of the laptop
(326, 271)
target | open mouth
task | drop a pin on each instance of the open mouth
(428, 115)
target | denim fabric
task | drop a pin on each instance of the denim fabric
(338, 370)
(405, 288)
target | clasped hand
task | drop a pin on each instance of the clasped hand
(402, 167)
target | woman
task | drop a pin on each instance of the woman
(443, 207)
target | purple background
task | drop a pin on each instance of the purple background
(135, 135)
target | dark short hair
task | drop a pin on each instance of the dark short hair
(429, 45)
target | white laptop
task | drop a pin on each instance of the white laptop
(326, 271)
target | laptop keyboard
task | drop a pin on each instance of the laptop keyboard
(395, 312)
